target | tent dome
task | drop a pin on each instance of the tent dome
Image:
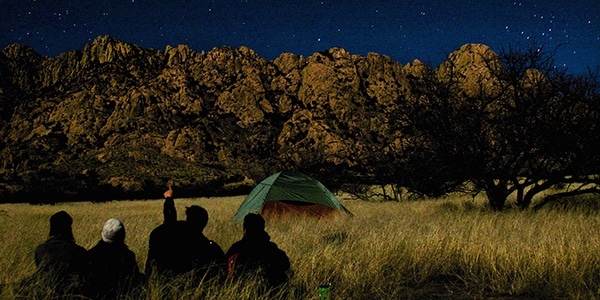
(290, 193)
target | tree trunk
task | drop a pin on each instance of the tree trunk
(496, 194)
(526, 201)
(496, 200)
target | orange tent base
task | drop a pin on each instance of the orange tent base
(287, 209)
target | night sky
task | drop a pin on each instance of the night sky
(404, 30)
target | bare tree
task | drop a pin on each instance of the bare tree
(508, 123)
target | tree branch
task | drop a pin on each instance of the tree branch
(576, 192)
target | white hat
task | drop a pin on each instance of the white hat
(113, 231)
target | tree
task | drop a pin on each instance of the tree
(508, 123)
(548, 126)
(432, 122)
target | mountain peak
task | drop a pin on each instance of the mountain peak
(107, 49)
(16, 51)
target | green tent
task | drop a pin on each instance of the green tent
(286, 193)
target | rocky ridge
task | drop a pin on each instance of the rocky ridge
(115, 120)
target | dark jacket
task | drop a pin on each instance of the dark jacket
(207, 255)
(112, 270)
(255, 252)
(170, 251)
(176, 248)
(60, 262)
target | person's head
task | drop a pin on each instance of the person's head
(254, 223)
(197, 216)
(60, 225)
(113, 231)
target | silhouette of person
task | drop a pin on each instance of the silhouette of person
(208, 256)
(256, 253)
(177, 247)
(60, 260)
(112, 269)
(169, 250)
(165, 250)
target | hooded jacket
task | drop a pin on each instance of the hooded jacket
(256, 253)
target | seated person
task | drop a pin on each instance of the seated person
(207, 255)
(112, 269)
(256, 253)
(60, 260)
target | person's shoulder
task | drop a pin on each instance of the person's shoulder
(182, 225)
(235, 248)
(273, 244)
(161, 230)
(78, 247)
(128, 253)
(55, 243)
(125, 249)
(275, 249)
(239, 243)
(41, 246)
(96, 247)
(40, 250)
(49, 246)
(158, 228)
(214, 246)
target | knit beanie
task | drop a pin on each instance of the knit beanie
(113, 231)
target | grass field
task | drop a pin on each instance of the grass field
(452, 248)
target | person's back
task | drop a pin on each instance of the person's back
(112, 269)
(255, 252)
(60, 260)
(208, 256)
(170, 252)
(59, 256)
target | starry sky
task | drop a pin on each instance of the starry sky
(404, 30)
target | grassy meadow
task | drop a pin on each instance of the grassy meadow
(453, 248)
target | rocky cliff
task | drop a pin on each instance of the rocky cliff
(114, 120)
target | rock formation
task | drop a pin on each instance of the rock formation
(114, 120)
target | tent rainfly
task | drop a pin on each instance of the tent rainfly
(290, 193)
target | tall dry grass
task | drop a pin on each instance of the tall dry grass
(453, 248)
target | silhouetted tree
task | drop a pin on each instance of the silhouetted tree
(432, 123)
(512, 123)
